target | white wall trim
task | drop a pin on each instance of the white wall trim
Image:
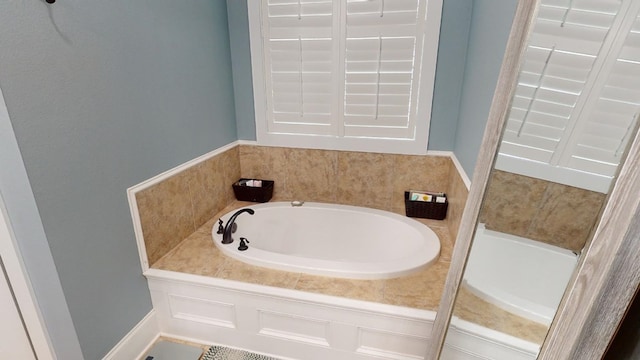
(456, 163)
(22, 290)
(465, 178)
(169, 173)
(138, 341)
(469, 341)
(132, 191)
(559, 174)
(304, 325)
(463, 174)
(133, 204)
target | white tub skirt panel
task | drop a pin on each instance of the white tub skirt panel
(299, 325)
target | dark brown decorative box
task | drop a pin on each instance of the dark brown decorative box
(425, 209)
(255, 194)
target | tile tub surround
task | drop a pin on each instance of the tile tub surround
(372, 180)
(175, 207)
(199, 256)
(540, 210)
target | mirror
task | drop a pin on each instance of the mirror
(574, 109)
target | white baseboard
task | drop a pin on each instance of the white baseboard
(137, 341)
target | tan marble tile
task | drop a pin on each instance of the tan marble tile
(446, 243)
(206, 189)
(166, 215)
(230, 162)
(511, 202)
(421, 290)
(312, 175)
(239, 271)
(262, 162)
(471, 308)
(413, 172)
(195, 255)
(368, 290)
(566, 217)
(457, 195)
(365, 179)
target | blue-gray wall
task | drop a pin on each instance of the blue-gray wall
(27, 226)
(490, 26)
(103, 95)
(452, 55)
(241, 57)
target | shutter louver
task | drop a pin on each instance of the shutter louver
(574, 107)
(298, 40)
(344, 74)
(602, 137)
(383, 45)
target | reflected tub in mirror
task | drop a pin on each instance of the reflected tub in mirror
(566, 131)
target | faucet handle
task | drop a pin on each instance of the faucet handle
(243, 246)
(220, 227)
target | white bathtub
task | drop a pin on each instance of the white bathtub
(524, 277)
(332, 240)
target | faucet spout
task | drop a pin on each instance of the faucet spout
(228, 228)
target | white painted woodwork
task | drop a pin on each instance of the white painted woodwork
(505, 89)
(344, 75)
(578, 98)
(14, 341)
(607, 276)
(138, 341)
(608, 273)
(299, 325)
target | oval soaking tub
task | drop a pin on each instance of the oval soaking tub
(522, 276)
(331, 240)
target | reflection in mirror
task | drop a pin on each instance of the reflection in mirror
(575, 108)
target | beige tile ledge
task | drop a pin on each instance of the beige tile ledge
(198, 255)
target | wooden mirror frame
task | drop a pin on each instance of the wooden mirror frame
(607, 275)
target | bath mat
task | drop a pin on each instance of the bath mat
(224, 353)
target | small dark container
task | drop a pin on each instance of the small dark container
(254, 194)
(425, 210)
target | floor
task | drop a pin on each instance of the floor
(204, 348)
(198, 255)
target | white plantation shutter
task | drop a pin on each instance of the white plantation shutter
(600, 139)
(577, 96)
(383, 39)
(346, 74)
(299, 59)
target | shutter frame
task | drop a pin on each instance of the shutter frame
(341, 136)
(564, 132)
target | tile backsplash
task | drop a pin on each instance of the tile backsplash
(356, 178)
(540, 210)
(175, 207)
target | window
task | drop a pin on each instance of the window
(578, 96)
(346, 75)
